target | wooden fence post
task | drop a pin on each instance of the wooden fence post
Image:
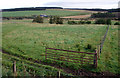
(34, 73)
(82, 61)
(59, 74)
(14, 68)
(45, 53)
(24, 69)
(98, 51)
(95, 59)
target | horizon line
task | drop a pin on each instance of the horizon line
(63, 8)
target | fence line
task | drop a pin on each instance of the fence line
(102, 42)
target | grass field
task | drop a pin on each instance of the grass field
(54, 36)
(27, 68)
(27, 39)
(47, 12)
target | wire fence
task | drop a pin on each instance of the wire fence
(102, 42)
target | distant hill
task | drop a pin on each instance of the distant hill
(109, 10)
(44, 8)
(31, 8)
(87, 9)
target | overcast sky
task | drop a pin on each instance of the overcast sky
(105, 4)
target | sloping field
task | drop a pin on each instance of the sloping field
(25, 39)
(47, 12)
(82, 11)
(77, 10)
(79, 16)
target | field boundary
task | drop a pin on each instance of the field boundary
(80, 72)
(67, 70)
(82, 60)
(102, 42)
(100, 46)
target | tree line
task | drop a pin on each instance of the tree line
(58, 20)
(31, 8)
(103, 15)
(98, 21)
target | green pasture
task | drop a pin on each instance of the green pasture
(47, 12)
(24, 38)
(27, 68)
(32, 38)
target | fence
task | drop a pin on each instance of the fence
(102, 42)
(71, 56)
(26, 69)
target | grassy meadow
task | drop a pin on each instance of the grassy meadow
(23, 39)
(32, 38)
(27, 68)
(47, 12)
